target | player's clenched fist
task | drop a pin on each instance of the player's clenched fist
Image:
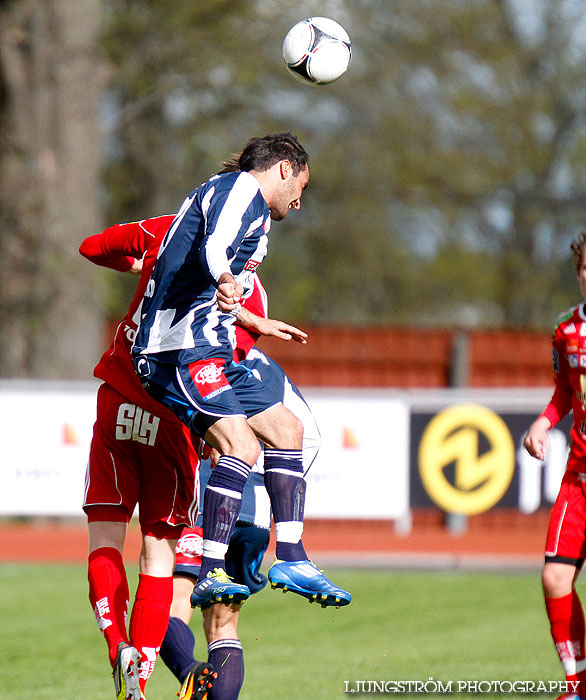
(537, 440)
(229, 293)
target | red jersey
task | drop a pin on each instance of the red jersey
(569, 363)
(257, 303)
(117, 247)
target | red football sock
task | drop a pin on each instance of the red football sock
(566, 618)
(109, 596)
(149, 620)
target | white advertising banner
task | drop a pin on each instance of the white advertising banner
(46, 434)
(362, 469)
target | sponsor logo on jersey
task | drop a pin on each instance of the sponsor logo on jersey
(251, 265)
(572, 345)
(582, 360)
(573, 360)
(209, 377)
(569, 329)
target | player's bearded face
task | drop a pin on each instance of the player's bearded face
(289, 195)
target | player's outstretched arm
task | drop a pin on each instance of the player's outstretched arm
(537, 439)
(271, 326)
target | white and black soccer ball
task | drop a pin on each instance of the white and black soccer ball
(317, 50)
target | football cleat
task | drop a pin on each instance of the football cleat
(305, 579)
(218, 587)
(125, 673)
(198, 681)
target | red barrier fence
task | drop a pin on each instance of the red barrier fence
(414, 358)
(337, 356)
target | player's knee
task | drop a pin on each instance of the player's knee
(557, 579)
(234, 438)
(250, 452)
(247, 448)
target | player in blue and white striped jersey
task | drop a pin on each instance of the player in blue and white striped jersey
(221, 228)
(183, 356)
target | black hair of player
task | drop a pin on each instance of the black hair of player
(261, 153)
(577, 247)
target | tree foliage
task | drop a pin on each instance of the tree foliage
(447, 169)
(447, 175)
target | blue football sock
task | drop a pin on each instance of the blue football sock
(221, 505)
(177, 648)
(286, 488)
(226, 657)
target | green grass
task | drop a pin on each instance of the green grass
(400, 626)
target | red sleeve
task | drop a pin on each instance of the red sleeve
(118, 246)
(257, 303)
(561, 401)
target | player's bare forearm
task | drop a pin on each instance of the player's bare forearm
(271, 327)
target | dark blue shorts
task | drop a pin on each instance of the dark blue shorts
(201, 392)
(270, 372)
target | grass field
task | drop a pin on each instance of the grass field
(400, 626)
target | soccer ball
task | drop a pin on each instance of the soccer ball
(317, 50)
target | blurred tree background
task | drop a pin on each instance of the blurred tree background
(448, 168)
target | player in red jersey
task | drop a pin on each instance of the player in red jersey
(140, 454)
(121, 247)
(566, 537)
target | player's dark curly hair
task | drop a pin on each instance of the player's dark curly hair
(262, 153)
(577, 246)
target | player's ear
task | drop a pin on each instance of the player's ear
(286, 169)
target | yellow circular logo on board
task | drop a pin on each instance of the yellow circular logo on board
(480, 480)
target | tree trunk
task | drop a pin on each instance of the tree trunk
(50, 80)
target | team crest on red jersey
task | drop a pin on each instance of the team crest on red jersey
(209, 377)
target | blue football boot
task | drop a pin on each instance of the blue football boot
(305, 579)
(218, 587)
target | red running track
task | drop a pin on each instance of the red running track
(509, 540)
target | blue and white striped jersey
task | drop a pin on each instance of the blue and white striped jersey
(221, 227)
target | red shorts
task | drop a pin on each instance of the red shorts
(566, 535)
(138, 458)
